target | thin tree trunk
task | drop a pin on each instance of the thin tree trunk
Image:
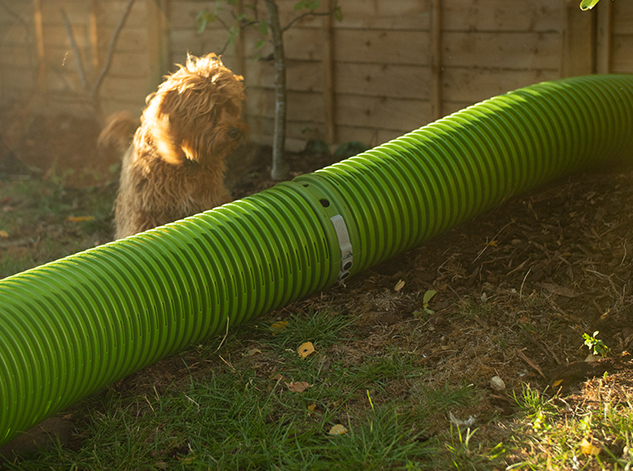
(280, 169)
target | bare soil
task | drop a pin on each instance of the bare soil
(516, 287)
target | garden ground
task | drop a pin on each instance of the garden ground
(403, 355)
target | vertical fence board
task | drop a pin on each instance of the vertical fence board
(578, 53)
(436, 59)
(328, 75)
(603, 38)
(388, 67)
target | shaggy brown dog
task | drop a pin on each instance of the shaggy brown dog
(175, 165)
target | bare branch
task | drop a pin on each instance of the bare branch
(223, 23)
(13, 14)
(225, 47)
(73, 45)
(255, 11)
(24, 24)
(304, 15)
(110, 52)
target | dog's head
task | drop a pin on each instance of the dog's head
(196, 112)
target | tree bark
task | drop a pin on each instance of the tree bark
(279, 169)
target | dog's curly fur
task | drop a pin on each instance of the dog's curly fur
(175, 165)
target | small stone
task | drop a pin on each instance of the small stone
(497, 383)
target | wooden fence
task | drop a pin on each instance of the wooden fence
(389, 67)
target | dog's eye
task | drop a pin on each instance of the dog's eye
(233, 133)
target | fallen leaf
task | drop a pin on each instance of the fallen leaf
(4, 234)
(298, 386)
(492, 243)
(311, 409)
(79, 218)
(305, 349)
(557, 383)
(587, 448)
(254, 351)
(278, 326)
(399, 285)
(338, 429)
(276, 377)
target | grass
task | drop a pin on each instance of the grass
(42, 221)
(232, 403)
(564, 435)
(242, 420)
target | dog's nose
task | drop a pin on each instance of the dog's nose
(233, 133)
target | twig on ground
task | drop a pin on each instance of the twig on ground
(542, 345)
(530, 362)
(226, 333)
(488, 244)
(523, 282)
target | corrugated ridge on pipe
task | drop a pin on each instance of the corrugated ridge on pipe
(72, 326)
(421, 184)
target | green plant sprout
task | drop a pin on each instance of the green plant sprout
(427, 299)
(596, 346)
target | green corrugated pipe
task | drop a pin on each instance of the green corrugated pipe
(72, 326)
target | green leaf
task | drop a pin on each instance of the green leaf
(259, 44)
(588, 4)
(309, 4)
(426, 299)
(263, 28)
(202, 25)
(428, 296)
(218, 6)
(234, 32)
(338, 14)
(203, 19)
(201, 15)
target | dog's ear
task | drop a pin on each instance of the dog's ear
(161, 117)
